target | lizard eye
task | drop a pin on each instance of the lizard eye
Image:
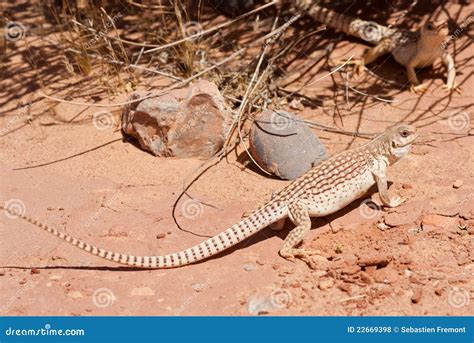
(430, 26)
(404, 133)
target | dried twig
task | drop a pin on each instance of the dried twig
(164, 91)
(212, 29)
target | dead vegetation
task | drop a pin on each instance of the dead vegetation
(256, 58)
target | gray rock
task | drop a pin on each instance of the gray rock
(248, 267)
(259, 305)
(198, 287)
(188, 122)
(284, 145)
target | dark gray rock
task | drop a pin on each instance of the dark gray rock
(284, 145)
(188, 122)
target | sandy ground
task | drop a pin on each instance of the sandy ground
(416, 259)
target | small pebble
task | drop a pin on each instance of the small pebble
(458, 184)
(161, 235)
(414, 230)
(248, 267)
(379, 260)
(2, 273)
(35, 271)
(365, 277)
(350, 270)
(345, 287)
(418, 280)
(258, 305)
(75, 294)
(295, 284)
(382, 226)
(296, 104)
(326, 283)
(198, 287)
(416, 297)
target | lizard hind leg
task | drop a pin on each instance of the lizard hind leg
(299, 215)
(279, 225)
(369, 56)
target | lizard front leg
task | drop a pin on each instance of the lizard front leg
(369, 56)
(416, 87)
(387, 200)
(448, 62)
(298, 213)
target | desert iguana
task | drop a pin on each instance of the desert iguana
(324, 189)
(412, 49)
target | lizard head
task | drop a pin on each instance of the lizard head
(435, 31)
(400, 138)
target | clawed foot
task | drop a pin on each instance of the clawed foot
(245, 214)
(359, 66)
(453, 88)
(302, 254)
(418, 89)
(396, 201)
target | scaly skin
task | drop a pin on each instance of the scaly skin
(324, 189)
(412, 49)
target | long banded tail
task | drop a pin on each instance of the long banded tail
(366, 30)
(248, 226)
